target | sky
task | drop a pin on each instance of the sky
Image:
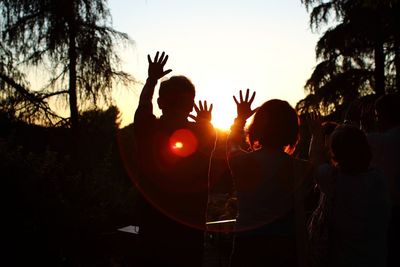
(222, 46)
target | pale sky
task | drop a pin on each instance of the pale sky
(222, 46)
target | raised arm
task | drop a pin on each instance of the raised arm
(205, 128)
(155, 72)
(244, 111)
(317, 144)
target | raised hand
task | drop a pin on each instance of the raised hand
(156, 67)
(243, 106)
(317, 145)
(314, 122)
(203, 112)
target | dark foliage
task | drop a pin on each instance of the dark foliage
(73, 41)
(63, 207)
(358, 52)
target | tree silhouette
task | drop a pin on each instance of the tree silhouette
(16, 100)
(73, 39)
(357, 56)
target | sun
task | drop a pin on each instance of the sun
(222, 123)
(223, 115)
(224, 109)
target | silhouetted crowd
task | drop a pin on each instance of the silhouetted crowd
(340, 207)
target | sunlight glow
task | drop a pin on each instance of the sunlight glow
(222, 122)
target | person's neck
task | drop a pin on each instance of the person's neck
(174, 119)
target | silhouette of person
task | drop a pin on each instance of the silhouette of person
(315, 198)
(268, 181)
(360, 206)
(385, 147)
(173, 156)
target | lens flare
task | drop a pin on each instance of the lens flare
(168, 196)
(183, 143)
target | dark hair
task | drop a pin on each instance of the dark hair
(176, 85)
(275, 125)
(350, 149)
(176, 96)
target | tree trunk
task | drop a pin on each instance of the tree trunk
(73, 103)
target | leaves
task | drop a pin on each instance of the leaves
(356, 56)
(36, 33)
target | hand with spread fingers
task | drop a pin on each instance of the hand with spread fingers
(203, 112)
(243, 106)
(156, 66)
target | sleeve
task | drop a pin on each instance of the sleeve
(144, 112)
(143, 123)
(237, 144)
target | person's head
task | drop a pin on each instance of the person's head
(275, 125)
(350, 149)
(387, 109)
(176, 97)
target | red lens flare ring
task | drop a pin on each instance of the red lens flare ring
(183, 143)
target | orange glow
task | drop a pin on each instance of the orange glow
(183, 143)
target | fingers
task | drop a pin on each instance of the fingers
(166, 72)
(246, 98)
(234, 98)
(165, 59)
(156, 57)
(196, 108)
(159, 60)
(203, 106)
(192, 117)
(252, 97)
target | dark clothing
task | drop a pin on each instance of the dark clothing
(359, 216)
(269, 222)
(394, 237)
(274, 250)
(173, 181)
(274, 243)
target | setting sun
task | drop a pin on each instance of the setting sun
(223, 116)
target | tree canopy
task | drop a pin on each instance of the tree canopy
(358, 55)
(73, 40)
